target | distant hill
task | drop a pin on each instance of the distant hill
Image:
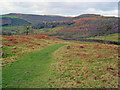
(88, 25)
(13, 21)
(82, 26)
(33, 19)
(88, 16)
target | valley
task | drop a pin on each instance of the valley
(57, 52)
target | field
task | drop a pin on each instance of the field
(39, 61)
(111, 37)
(12, 27)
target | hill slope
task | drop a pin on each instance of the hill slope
(13, 21)
(88, 25)
(83, 26)
(35, 19)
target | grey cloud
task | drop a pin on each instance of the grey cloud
(59, 8)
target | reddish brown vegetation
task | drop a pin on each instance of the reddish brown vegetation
(78, 82)
(20, 39)
(14, 51)
(70, 60)
(15, 48)
(114, 73)
(41, 37)
(95, 77)
(119, 73)
(100, 56)
(6, 44)
(68, 56)
(97, 47)
(81, 47)
(104, 80)
(30, 46)
(72, 77)
(89, 60)
(110, 68)
(83, 20)
(78, 66)
(87, 55)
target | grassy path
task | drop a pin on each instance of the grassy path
(32, 70)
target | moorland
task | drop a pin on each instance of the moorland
(50, 51)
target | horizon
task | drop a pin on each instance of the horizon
(71, 9)
(59, 15)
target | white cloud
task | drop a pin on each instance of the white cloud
(107, 13)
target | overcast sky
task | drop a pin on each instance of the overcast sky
(63, 7)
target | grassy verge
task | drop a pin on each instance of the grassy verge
(30, 70)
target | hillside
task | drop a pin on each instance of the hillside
(13, 21)
(85, 26)
(34, 19)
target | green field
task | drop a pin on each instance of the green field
(12, 27)
(111, 37)
(8, 16)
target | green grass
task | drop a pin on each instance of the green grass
(7, 52)
(111, 37)
(30, 70)
(80, 42)
(9, 16)
(12, 27)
